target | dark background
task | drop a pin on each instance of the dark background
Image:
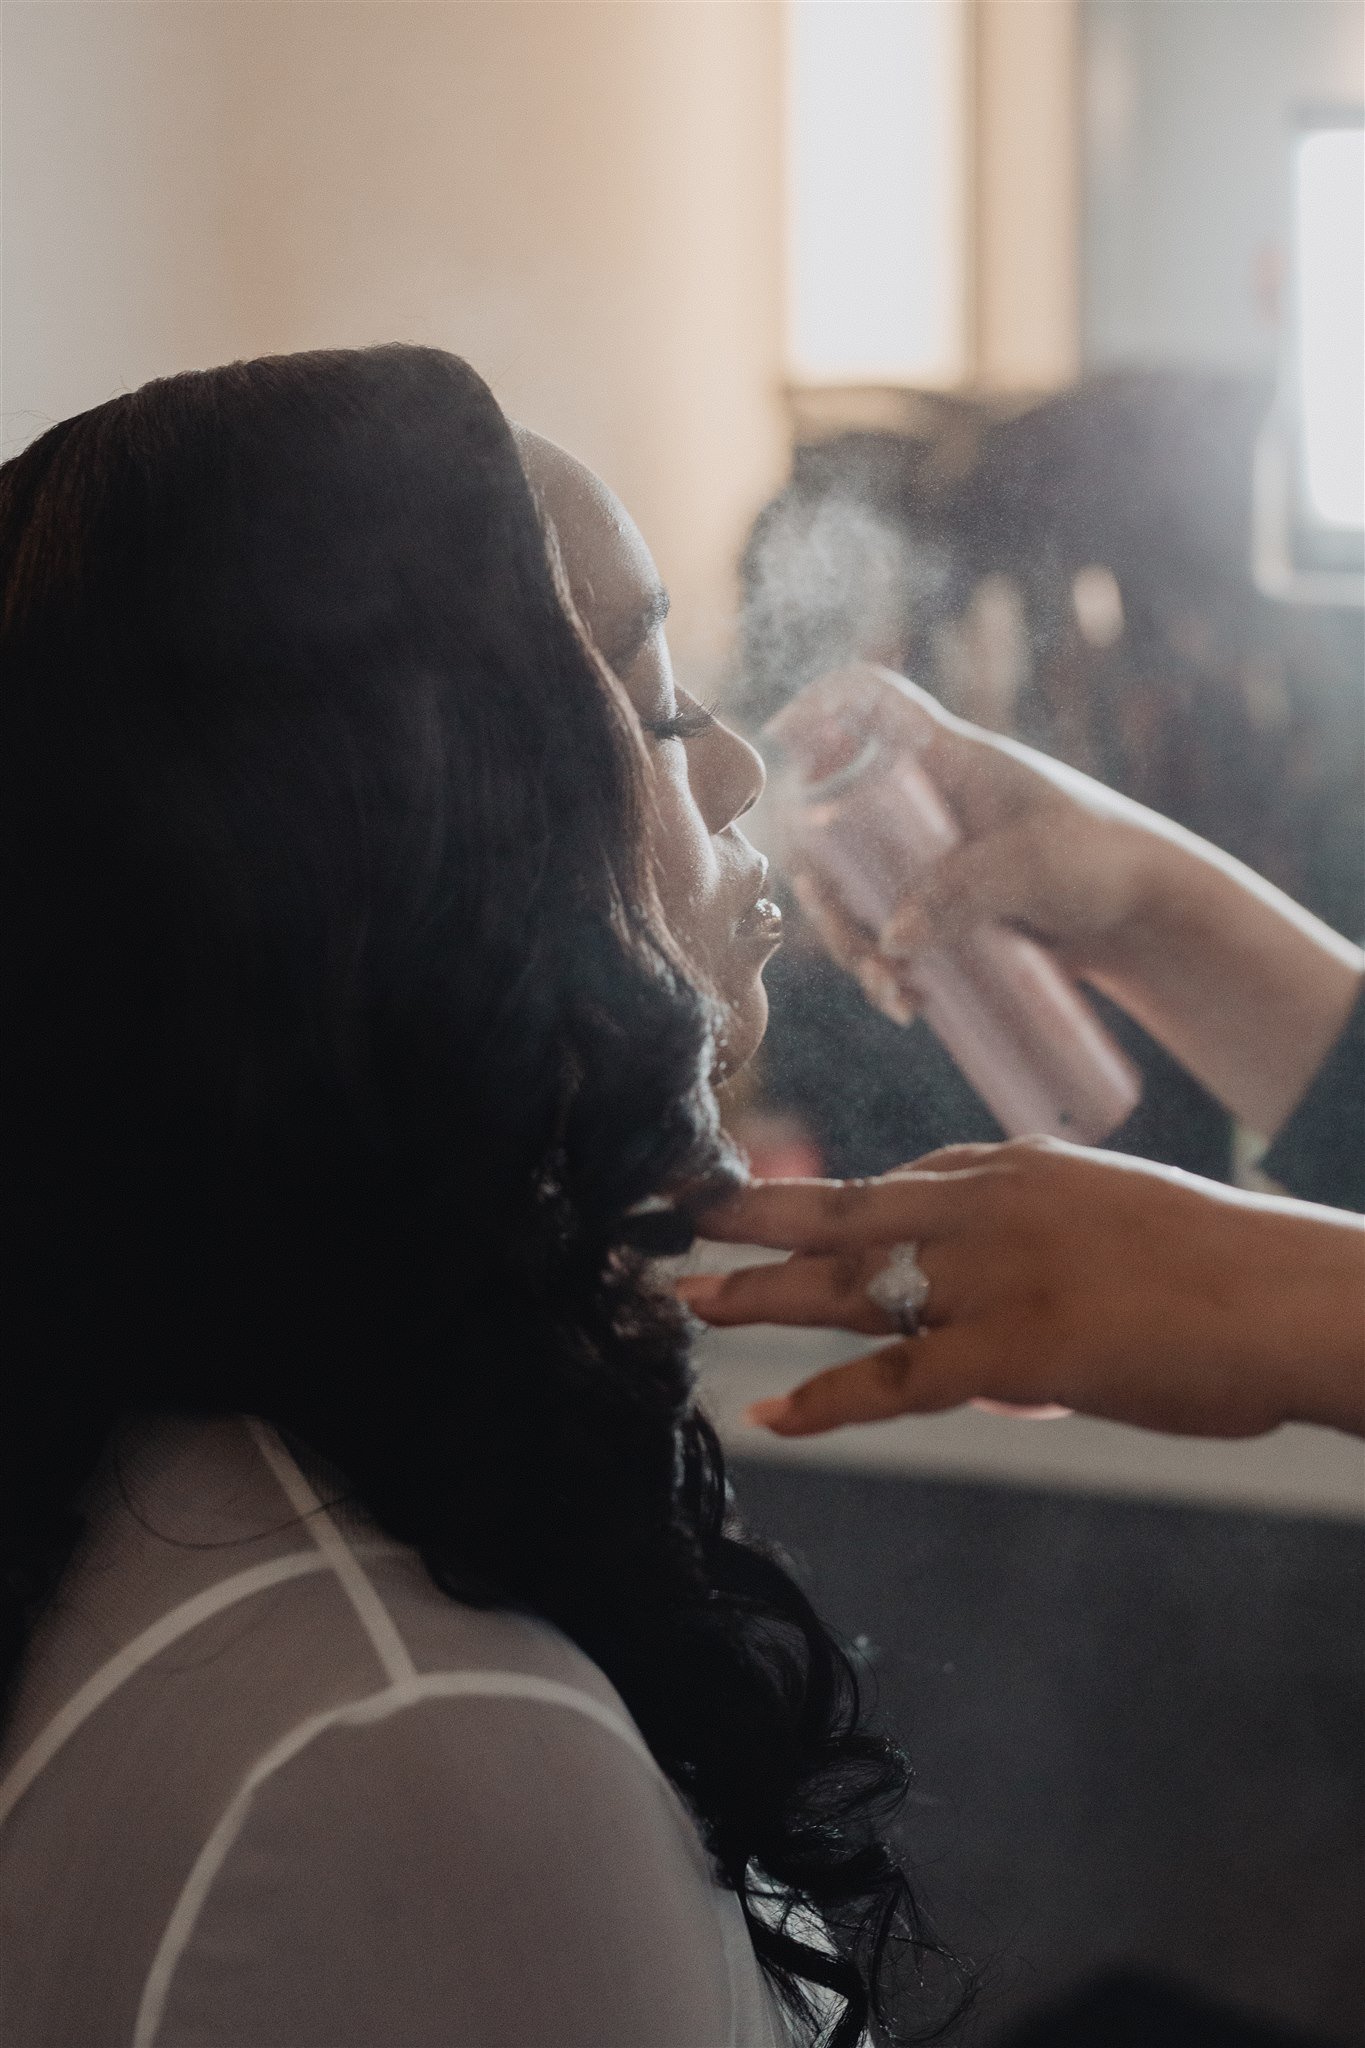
(1136, 1728)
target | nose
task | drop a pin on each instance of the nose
(732, 777)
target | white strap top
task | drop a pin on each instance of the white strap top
(312, 1803)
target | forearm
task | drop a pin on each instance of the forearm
(1308, 1329)
(1246, 989)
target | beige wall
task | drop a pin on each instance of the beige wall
(1028, 199)
(582, 196)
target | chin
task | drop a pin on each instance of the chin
(746, 1020)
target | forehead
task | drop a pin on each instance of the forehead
(611, 572)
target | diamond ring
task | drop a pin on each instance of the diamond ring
(901, 1288)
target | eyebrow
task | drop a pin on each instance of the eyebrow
(652, 616)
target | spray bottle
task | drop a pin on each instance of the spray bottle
(1021, 1032)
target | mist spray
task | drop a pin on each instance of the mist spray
(1016, 1025)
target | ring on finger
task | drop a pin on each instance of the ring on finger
(900, 1288)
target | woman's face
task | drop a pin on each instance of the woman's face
(711, 881)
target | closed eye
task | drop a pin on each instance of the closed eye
(688, 723)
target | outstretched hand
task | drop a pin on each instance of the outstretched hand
(1062, 1277)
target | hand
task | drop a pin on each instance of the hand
(1043, 846)
(1244, 988)
(1063, 1276)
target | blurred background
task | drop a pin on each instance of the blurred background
(1015, 342)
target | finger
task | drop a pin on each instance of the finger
(955, 1158)
(879, 984)
(918, 1376)
(808, 1291)
(843, 938)
(850, 946)
(836, 1215)
(1022, 1411)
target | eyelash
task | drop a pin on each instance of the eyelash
(689, 724)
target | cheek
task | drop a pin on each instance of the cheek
(686, 869)
(700, 907)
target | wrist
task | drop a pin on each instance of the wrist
(1311, 1327)
(1168, 914)
(1247, 990)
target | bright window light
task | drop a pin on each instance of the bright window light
(878, 138)
(1329, 226)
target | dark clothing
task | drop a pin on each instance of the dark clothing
(873, 1095)
(1134, 2010)
(1320, 1152)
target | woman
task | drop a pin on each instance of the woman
(1055, 1275)
(381, 1665)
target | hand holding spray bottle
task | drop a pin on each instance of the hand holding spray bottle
(862, 814)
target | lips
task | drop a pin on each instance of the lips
(763, 919)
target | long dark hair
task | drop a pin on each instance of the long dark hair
(342, 1050)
